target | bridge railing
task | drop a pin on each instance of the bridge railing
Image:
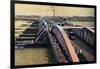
(42, 27)
(87, 34)
(65, 43)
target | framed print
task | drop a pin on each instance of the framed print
(50, 34)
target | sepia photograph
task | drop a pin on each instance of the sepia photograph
(53, 34)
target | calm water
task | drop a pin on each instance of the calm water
(18, 24)
(88, 24)
(29, 56)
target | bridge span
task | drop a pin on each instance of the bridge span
(68, 44)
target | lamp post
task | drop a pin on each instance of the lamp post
(53, 10)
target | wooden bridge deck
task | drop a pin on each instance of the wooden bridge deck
(87, 52)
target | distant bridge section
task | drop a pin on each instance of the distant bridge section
(85, 33)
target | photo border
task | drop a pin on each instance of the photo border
(12, 32)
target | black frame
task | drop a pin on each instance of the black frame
(12, 32)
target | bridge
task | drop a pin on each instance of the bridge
(68, 44)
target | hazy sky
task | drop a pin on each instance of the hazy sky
(29, 9)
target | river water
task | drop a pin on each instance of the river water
(88, 24)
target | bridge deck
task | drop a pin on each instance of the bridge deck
(87, 52)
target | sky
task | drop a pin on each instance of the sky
(43, 10)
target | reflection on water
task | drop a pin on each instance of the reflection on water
(29, 56)
(88, 24)
(19, 25)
